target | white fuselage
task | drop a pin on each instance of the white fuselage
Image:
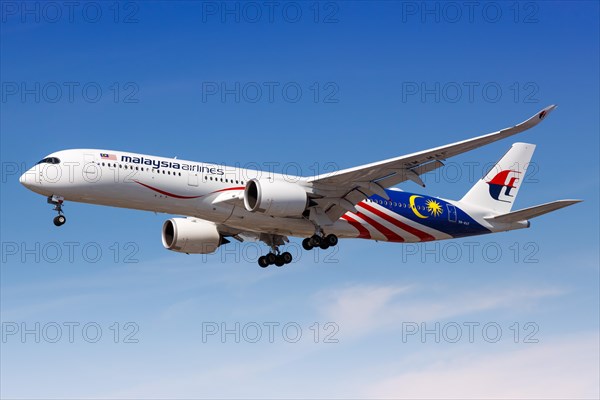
(190, 190)
(208, 192)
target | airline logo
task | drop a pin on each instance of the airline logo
(502, 184)
(156, 164)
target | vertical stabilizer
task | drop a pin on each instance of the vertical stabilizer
(498, 189)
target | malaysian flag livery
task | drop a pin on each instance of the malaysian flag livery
(106, 156)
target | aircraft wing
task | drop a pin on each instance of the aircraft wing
(341, 190)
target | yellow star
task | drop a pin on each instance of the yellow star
(433, 207)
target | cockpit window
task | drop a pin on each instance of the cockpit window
(49, 160)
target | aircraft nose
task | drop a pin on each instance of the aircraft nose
(27, 179)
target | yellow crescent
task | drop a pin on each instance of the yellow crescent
(411, 201)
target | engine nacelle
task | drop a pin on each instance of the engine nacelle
(191, 235)
(276, 198)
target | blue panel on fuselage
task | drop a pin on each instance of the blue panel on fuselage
(432, 212)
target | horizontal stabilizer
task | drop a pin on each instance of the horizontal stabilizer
(532, 212)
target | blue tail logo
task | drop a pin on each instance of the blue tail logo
(501, 185)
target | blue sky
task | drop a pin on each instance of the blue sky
(352, 82)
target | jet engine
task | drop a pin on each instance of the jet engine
(191, 235)
(275, 198)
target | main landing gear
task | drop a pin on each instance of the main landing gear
(275, 257)
(323, 242)
(280, 259)
(57, 201)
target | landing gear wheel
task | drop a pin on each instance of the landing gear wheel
(59, 220)
(271, 258)
(279, 260)
(331, 240)
(262, 261)
(287, 257)
(57, 202)
(306, 245)
(324, 245)
(315, 240)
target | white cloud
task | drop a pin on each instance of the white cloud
(359, 308)
(565, 368)
(362, 309)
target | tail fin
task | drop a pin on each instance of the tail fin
(498, 189)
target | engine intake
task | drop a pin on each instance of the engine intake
(191, 236)
(275, 198)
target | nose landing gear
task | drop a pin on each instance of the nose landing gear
(57, 201)
(59, 220)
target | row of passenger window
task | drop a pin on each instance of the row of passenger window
(166, 172)
(225, 180)
(136, 168)
(394, 204)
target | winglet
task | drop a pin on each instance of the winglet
(534, 120)
(544, 113)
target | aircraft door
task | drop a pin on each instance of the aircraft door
(192, 178)
(89, 170)
(451, 212)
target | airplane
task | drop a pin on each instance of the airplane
(219, 202)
